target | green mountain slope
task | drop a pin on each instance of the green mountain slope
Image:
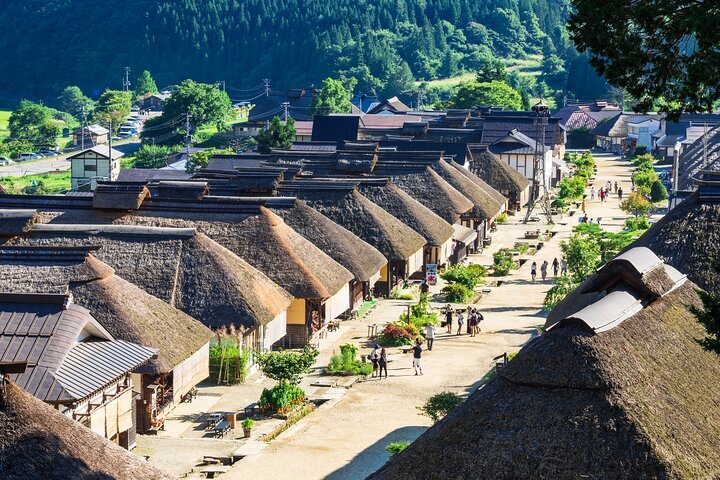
(48, 44)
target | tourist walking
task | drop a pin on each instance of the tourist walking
(563, 266)
(592, 193)
(543, 270)
(479, 318)
(448, 318)
(374, 358)
(417, 355)
(616, 186)
(472, 322)
(608, 185)
(461, 322)
(382, 362)
(620, 192)
(555, 265)
(533, 271)
(602, 195)
(430, 335)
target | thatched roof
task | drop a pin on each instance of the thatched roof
(487, 202)
(243, 225)
(359, 257)
(412, 213)
(688, 238)
(629, 402)
(497, 173)
(120, 195)
(16, 222)
(427, 187)
(126, 311)
(182, 267)
(702, 154)
(342, 203)
(38, 442)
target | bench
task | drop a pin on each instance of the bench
(372, 330)
(213, 419)
(406, 348)
(532, 234)
(222, 428)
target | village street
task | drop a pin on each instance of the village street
(346, 437)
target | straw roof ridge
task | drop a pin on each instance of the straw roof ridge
(190, 272)
(352, 210)
(126, 311)
(433, 191)
(629, 402)
(487, 202)
(333, 239)
(38, 442)
(246, 229)
(497, 173)
(16, 222)
(688, 238)
(412, 213)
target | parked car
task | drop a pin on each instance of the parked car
(29, 156)
(48, 152)
(5, 161)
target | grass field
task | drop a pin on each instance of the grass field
(44, 183)
(4, 117)
(529, 66)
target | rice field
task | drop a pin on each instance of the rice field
(529, 66)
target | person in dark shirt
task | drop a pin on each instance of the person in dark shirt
(382, 362)
(448, 318)
(417, 354)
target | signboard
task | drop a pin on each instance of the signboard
(431, 273)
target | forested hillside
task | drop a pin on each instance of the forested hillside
(384, 44)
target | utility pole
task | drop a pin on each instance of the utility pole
(188, 135)
(83, 126)
(266, 84)
(286, 105)
(126, 80)
(539, 190)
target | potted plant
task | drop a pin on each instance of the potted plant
(248, 425)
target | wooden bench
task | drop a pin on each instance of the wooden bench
(406, 348)
(532, 234)
(222, 428)
(213, 419)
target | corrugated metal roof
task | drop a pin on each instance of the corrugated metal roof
(89, 366)
(610, 311)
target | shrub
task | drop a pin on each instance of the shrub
(572, 188)
(248, 423)
(287, 367)
(637, 223)
(281, 398)
(457, 293)
(396, 447)
(469, 276)
(559, 203)
(347, 363)
(503, 262)
(439, 405)
(228, 360)
(636, 204)
(501, 219)
(562, 288)
(640, 150)
(658, 192)
(394, 336)
(420, 314)
(403, 294)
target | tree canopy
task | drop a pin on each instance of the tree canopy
(654, 49)
(33, 123)
(145, 84)
(206, 104)
(278, 135)
(493, 93)
(113, 105)
(73, 101)
(334, 97)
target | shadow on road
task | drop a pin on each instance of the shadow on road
(375, 456)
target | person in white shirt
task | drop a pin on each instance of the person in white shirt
(429, 335)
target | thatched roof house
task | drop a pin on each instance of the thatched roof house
(427, 187)
(688, 237)
(501, 176)
(180, 266)
(617, 389)
(362, 259)
(488, 203)
(341, 202)
(126, 311)
(38, 442)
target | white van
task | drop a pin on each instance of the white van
(28, 156)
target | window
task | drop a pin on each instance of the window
(91, 168)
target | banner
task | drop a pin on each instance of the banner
(431, 273)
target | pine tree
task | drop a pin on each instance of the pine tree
(145, 84)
